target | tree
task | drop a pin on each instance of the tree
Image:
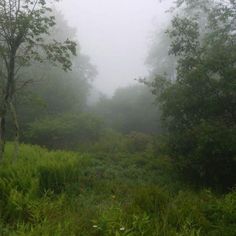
(23, 25)
(41, 99)
(159, 60)
(130, 109)
(199, 107)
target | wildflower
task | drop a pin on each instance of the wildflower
(122, 229)
(95, 226)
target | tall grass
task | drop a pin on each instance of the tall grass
(65, 193)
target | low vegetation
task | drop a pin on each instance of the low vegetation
(67, 193)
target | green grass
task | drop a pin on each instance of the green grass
(65, 193)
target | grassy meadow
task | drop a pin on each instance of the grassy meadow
(133, 194)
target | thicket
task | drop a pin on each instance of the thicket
(198, 105)
(68, 131)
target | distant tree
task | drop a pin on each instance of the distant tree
(23, 24)
(159, 60)
(67, 131)
(130, 109)
(44, 97)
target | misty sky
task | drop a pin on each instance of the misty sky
(115, 34)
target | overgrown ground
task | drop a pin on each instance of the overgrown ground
(64, 193)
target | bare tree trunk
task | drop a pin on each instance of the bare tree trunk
(7, 103)
(17, 129)
(5, 106)
(2, 137)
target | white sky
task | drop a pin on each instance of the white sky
(115, 34)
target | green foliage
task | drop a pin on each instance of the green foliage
(65, 131)
(23, 27)
(151, 199)
(199, 106)
(138, 142)
(114, 142)
(64, 193)
(53, 91)
(110, 142)
(26, 23)
(206, 154)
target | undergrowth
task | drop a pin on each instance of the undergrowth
(65, 193)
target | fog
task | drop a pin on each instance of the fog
(116, 35)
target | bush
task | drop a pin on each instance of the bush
(65, 132)
(206, 155)
(115, 142)
(138, 142)
(110, 142)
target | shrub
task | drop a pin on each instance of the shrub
(206, 155)
(138, 142)
(110, 142)
(115, 142)
(64, 132)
